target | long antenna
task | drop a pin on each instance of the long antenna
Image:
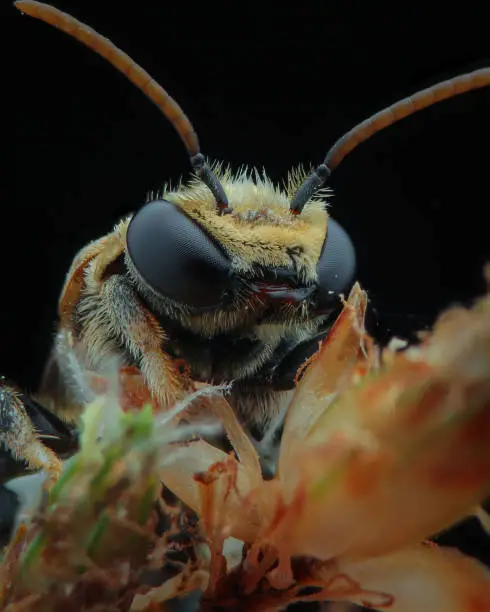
(140, 78)
(384, 118)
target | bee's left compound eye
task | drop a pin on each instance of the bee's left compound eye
(177, 257)
(336, 266)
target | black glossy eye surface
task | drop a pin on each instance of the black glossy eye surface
(176, 257)
(336, 267)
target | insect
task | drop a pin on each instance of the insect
(229, 278)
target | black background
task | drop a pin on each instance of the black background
(265, 84)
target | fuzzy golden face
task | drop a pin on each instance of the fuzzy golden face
(258, 264)
(261, 230)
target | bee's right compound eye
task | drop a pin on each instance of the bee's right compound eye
(336, 267)
(176, 257)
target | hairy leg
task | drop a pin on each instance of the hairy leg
(65, 387)
(143, 337)
(21, 439)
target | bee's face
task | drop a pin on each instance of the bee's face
(259, 263)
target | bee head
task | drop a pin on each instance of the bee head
(259, 258)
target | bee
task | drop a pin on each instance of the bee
(228, 278)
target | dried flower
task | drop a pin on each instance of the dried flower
(376, 456)
(380, 451)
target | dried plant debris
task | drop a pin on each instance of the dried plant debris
(380, 451)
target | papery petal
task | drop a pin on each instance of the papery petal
(422, 578)
(240, 441)
(401, 456)
(329, 371)
(192, 468)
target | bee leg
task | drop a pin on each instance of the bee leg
(143, 337)
(18, 436)
(65, 386)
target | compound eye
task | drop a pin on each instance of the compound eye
(336, 266)
(177, 257)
